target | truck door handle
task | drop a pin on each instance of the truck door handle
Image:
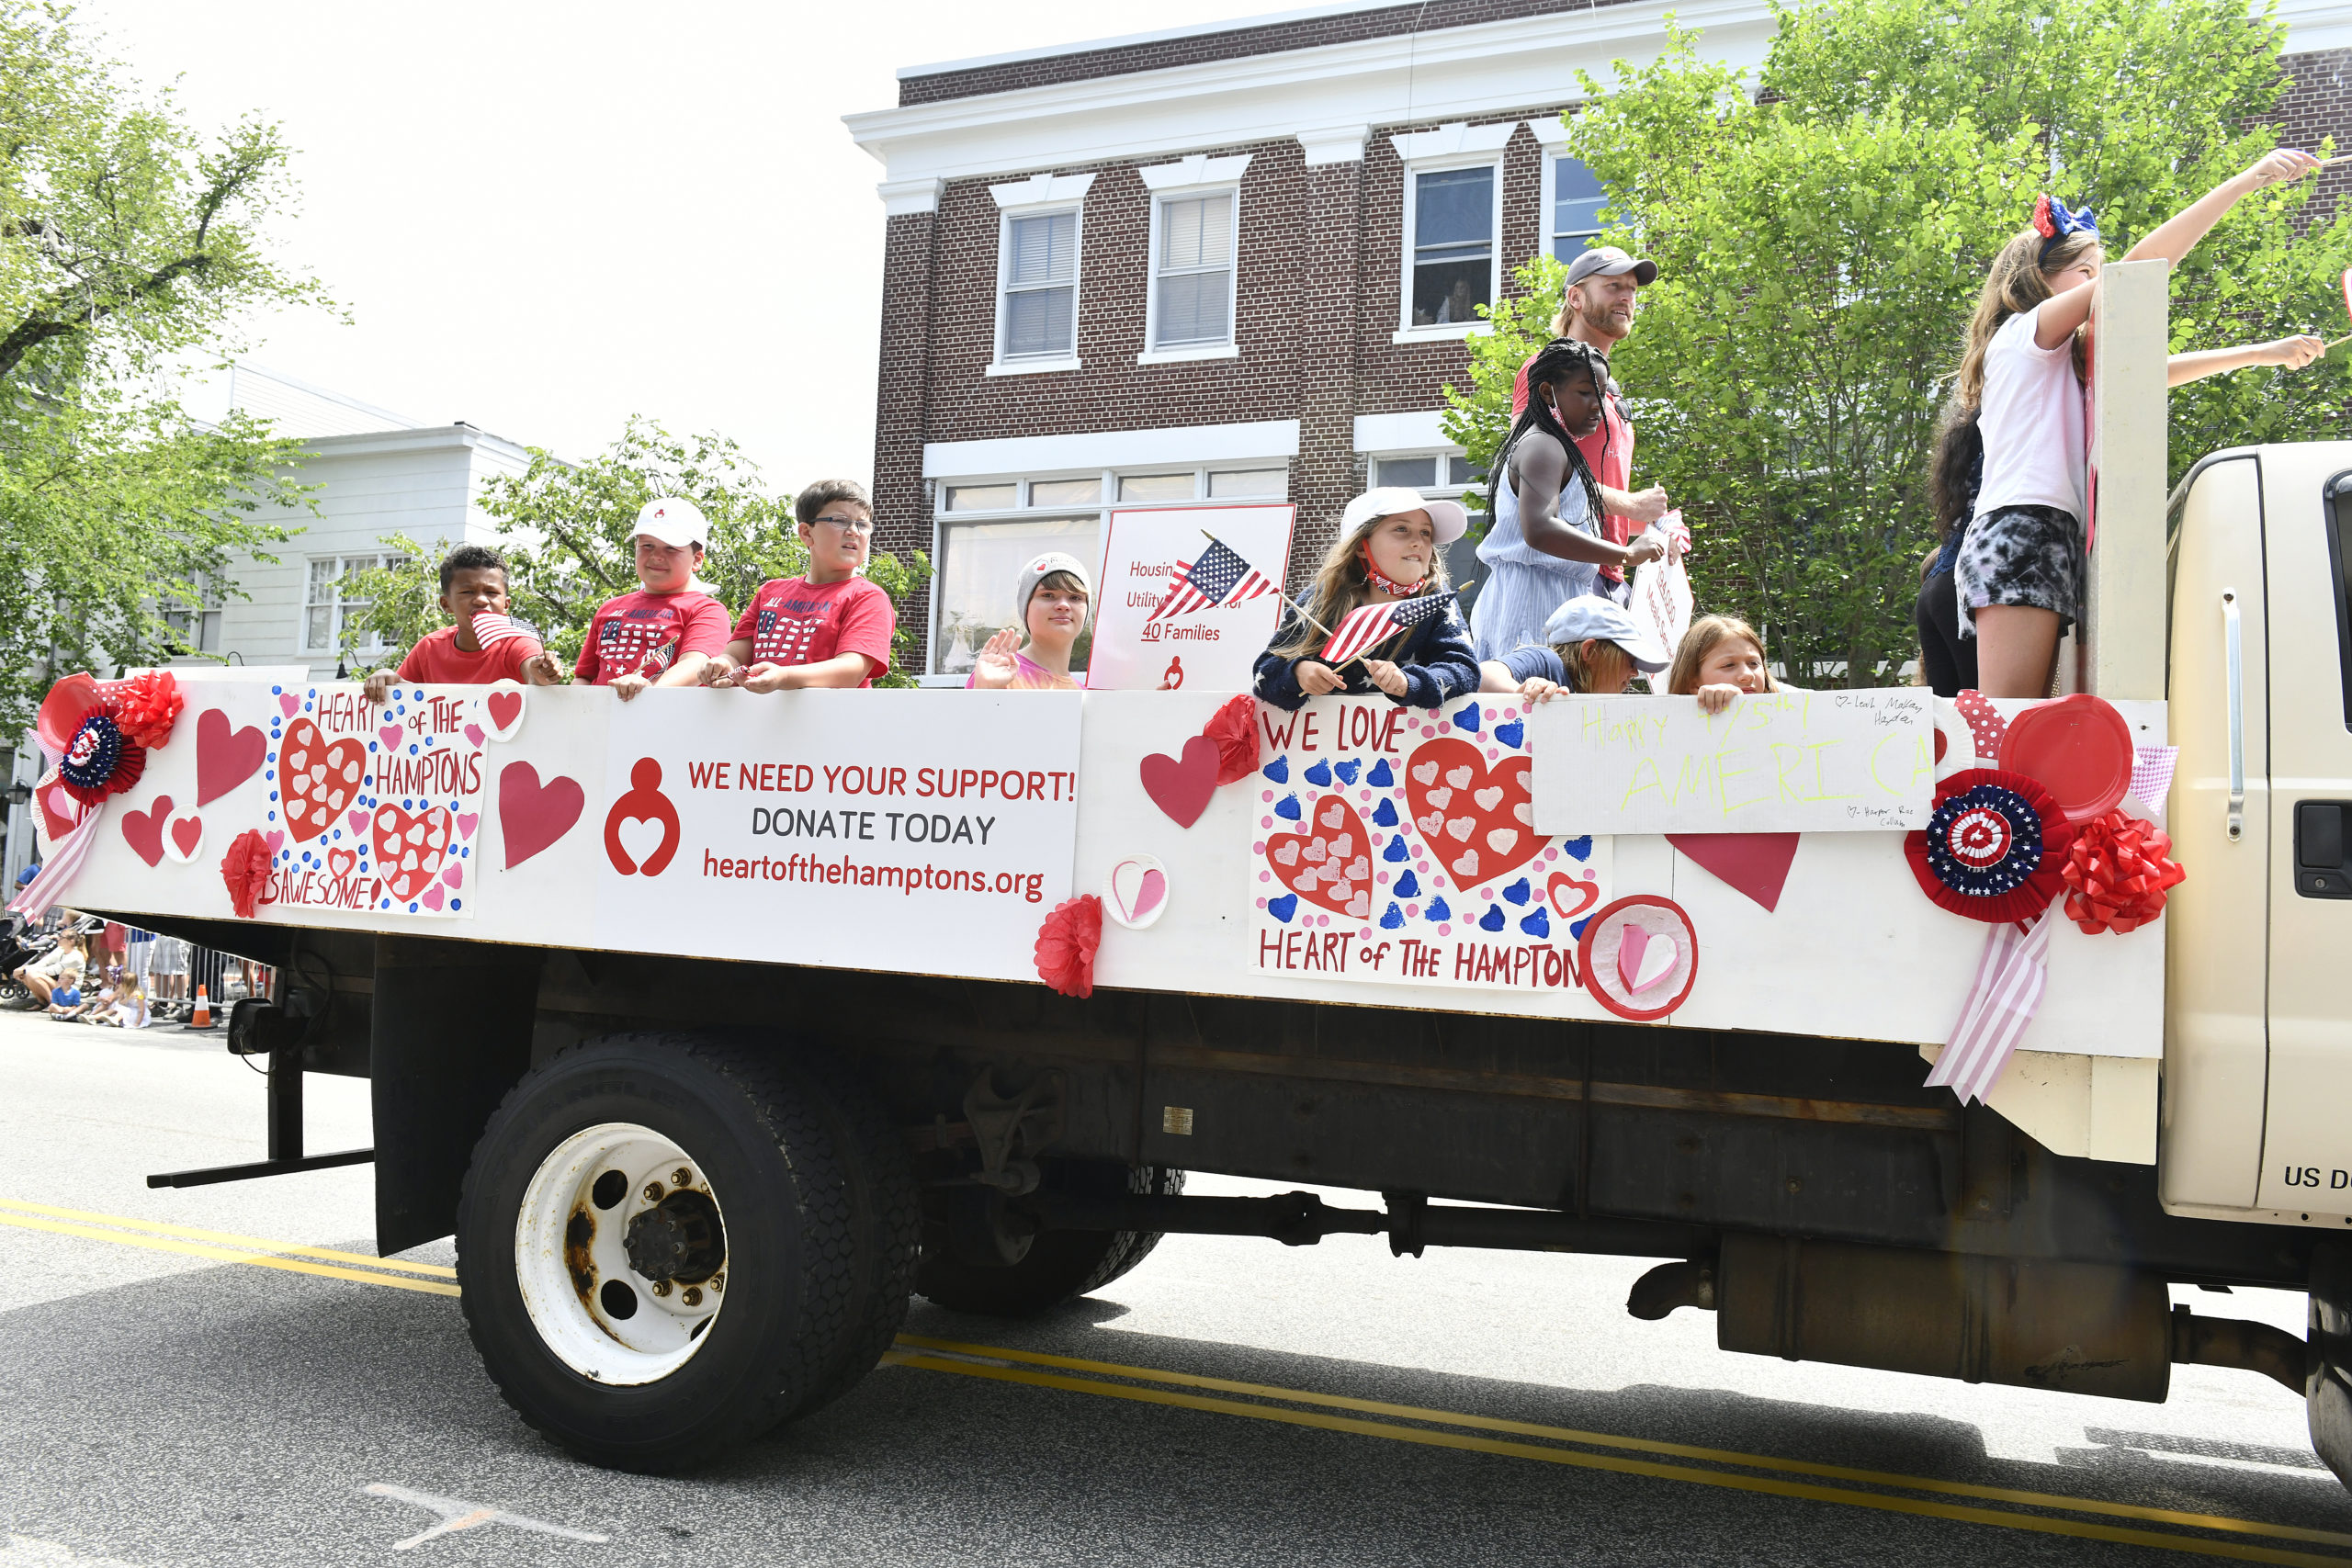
(2323, 868)
(2234, 645)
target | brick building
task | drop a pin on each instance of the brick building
(1240, 260)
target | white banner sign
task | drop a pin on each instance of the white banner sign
(1203, 648)
(1780, 763)
(869, 833)
(1397, 844)
(1662, 601)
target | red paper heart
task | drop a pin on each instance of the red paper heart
(1329, 861)
(504, 708)
(315, 780)
(1755, 863)
(531, 814)
(187, 832)
(61, 812)
(409, 847)
(224, 758)
(340, 862)
(1181, 787)
(1588, 893)
(144, 832)
(1479, 822)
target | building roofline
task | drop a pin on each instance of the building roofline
(416, 439)
(1161, 35)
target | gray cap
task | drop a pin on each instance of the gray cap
(1040, 568)
(1608, 261)
(1591, 616)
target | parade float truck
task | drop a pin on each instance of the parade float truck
(1902, 1034)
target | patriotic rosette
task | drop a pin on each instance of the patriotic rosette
(100, 732)
(1995, 847)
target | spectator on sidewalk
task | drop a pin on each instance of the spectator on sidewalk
(60, 971)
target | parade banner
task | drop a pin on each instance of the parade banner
(1779, 762)
(1166, 618)
(839, 827)
(1399, 844)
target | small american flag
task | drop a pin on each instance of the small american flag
(658, 659)
(492, 629)
(1219, 577)
(1364, 627)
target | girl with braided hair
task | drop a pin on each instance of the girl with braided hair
(1545, 546)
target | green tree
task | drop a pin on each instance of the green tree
(1821, 232)
(565, 530)
(129, 245)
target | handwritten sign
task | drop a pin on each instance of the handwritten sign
(840, 828)
(1785, 762)
(1204, 648)
(374, 806)
(1662, 601)
(1398, 844)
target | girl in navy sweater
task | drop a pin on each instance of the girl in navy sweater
(1387, 549)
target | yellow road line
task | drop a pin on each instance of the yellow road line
(225, 1254)
(1422, 1434)
(231, 1237)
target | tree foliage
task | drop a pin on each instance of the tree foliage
(565, 530)
(128, 243)
(1822, 231)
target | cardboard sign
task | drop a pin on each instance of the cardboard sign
(1662, 602)
(374, 807)
(1398, 844)
(1781, 763)
(1207, 648)
(873, 833)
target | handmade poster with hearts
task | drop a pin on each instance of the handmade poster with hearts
(1397, 845)
(374, 806)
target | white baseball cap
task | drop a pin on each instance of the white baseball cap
(672, 520)
(1388, 501)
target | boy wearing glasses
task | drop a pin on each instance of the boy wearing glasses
(829, 628)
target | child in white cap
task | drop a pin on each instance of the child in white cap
(665, 631)
(1590, 646)
(1050, 598)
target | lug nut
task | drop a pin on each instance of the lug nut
(691, 1295)
(718, 1281)
(681, 1176)
(661, 1287)
(653, 1192)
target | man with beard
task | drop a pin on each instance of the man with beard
(1599, 310)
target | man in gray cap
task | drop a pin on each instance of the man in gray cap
(1598, 310)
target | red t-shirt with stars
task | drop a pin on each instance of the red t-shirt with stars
(794, 621)
(641, 633)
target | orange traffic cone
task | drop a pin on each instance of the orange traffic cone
(203, 1019)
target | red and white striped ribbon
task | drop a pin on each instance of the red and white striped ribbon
(65, 858)
(2001, 1002)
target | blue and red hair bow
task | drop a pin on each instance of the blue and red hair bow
(2054, 220)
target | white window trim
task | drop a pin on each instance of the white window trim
(1457, 146)
(1035, 197)
(1194, 176)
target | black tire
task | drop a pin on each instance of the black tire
(17, 997)
(804, 1264)
(1060, 1266)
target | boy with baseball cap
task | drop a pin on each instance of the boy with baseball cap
(1050, 599)
(827, 627)
(667, 630)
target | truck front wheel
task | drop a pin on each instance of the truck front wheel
(1057, 1265)
(667, 1245)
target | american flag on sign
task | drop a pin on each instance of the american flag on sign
(491, 629)
(1219, 577)
(1364, 627)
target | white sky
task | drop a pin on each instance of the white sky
(544, 218)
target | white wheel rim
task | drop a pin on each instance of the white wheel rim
(665, 1322)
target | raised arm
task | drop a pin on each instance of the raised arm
(2177, 235)
(2288, 353)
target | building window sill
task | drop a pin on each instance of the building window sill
(1033, 367)
(1452, 331)
(1187, 354)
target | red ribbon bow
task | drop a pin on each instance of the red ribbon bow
(2117, 872)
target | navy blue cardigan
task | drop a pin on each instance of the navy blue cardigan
(1435, 658)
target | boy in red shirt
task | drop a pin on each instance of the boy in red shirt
(473, 582)
(829, 627)
(666, 632)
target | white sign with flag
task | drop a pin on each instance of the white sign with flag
(1188, 596)
(1662, 599)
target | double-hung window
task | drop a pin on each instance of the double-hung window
(1452, 218)
(195, 629)
(1040, 304)
(1576, 201)
(326, 609)
(1191, 304)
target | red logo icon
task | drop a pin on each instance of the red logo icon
(643, 803)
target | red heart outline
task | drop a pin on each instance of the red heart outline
(312, 802)
(1430, 791)
(389, 831)
(532, 815)
(1183, 786)
(504, 708)
(1344, 841)
(225, 758)
(144, 833)
(1589, 889)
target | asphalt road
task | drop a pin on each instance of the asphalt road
(164, 1404)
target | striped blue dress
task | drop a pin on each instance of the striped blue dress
(1523, 585)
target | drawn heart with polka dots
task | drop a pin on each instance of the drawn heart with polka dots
(316, 781)
(1478, 821)
(1330, 862)
(409, 847)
